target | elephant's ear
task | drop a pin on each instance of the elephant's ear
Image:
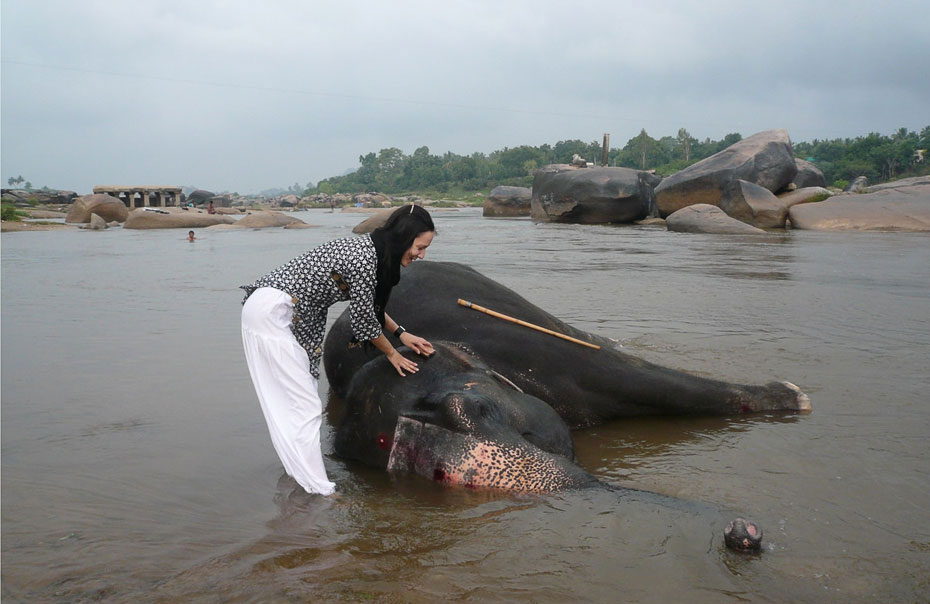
(503, 380)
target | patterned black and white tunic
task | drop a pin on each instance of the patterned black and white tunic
(309, 280)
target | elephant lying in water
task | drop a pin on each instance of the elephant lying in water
(495, 405)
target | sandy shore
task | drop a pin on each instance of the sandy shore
(12, 226)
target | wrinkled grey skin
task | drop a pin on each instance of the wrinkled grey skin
(494, 406)
(456, 421)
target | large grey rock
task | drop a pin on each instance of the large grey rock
(562, 193)
(904, 209)
(859, 183)
(173, 218)
(900, 184)
(808, 175)
(504, 201)
(372, 222)
(106, 206)
(764, 159)
(96, 223)
(705, 218)
(264, 220)
(199, 196)
(805, 195)
(31, 197)
(753, 205)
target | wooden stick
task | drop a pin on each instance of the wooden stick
(493, 313)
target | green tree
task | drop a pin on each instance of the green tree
(684, 141)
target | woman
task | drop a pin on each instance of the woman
(284, 317)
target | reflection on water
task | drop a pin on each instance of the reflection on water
(136, 464)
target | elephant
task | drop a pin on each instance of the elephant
(494, 406)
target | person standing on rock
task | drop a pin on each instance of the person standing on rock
(284, 319)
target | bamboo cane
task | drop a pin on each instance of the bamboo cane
(493, 313)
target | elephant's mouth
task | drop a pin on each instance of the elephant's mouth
(453, 458)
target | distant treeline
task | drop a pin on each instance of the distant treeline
(841, 160)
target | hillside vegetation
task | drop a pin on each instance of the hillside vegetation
(876, 156)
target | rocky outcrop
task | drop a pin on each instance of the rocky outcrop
(859, 183)
(200, 196)
(764, 159)
(805, 195)
(372, 222)
(106, 206)
(900, 184)
(706, 218)
(173, 218)
(96, 223)
(753, 205)
(264, 220)
(600, 195)
(32, 197)
(505, 201)
(808, 175)
(901, 209)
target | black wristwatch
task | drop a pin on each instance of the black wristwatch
(399, 331)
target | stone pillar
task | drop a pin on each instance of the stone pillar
(145, 199)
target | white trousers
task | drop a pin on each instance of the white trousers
(280, 370)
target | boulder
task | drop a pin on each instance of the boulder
(753, 205)
(598, 195)
(264, 220)
(96, 223)
(199, 196)
(299, 225)
(805, 195)
(106, 206)
(372, 222)
(173, 218)
(903, 209)
(808, 175)
(505, 201)
(764, 159)
(706, 218)
(858, 184)
(31, 197)
(900, 184)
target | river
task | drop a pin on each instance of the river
(136, 465)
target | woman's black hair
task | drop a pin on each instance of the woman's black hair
(404, 225)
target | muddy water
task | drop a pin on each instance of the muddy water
(136, 465)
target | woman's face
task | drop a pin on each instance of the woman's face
(417, 251)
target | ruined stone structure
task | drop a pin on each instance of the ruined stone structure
(143, 197)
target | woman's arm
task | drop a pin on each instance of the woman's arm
(415, 343)
(399, 361)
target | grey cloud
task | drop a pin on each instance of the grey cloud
(249, 96)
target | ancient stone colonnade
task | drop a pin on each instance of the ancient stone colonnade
(143, 197)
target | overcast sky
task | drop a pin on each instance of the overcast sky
(245, 96)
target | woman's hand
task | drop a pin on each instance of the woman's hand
(401, 363)
(416, 344)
